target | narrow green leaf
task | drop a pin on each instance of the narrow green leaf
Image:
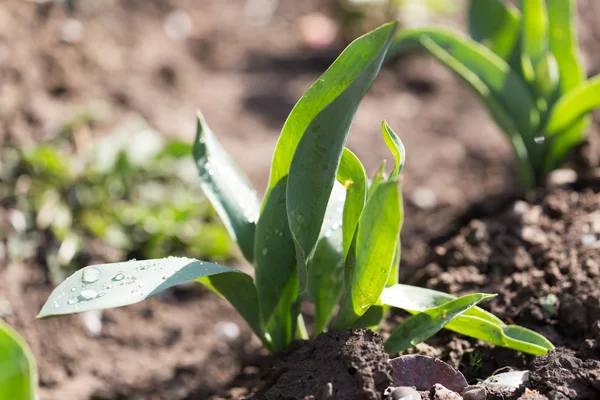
(396, 146)
(368, 268)
(379, 177)
(475, 322)
(276, 273)
(495, 24)
(227, 188)
(503, 115)
(574, 105)
(18, 372)
(534, 39)
(563, 43)
(112, 285)
(423, 325)
(326, 265)
(351, 174)
(318, 151)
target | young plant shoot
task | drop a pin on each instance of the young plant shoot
(323, 232)
(525, 68)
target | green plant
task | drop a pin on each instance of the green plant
(525, 68)
(323, 232)
(18, 373)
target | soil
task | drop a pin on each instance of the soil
(459, 168)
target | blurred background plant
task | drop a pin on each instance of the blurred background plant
(356, 17)
(77, 199)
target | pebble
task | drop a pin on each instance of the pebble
(439, 392)
(404, 393)
(474, 393)
(424, 198)
(561, 177)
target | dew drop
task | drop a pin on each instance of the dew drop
(119, 277)
(72, 301)
(88, 294)
(90, 275)
(73, 288)
(56, 304)
(539, 139)
(101, 294)
(164, 277)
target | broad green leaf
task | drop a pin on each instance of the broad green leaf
(318, 152)
(574, 105)
(276, 272)
(495, 101)
(495, 24)
(423, 325)
(119, 284)
(351, 174)
(240, 291)
(395, 145)
(227, 188)
(534, 39)
(563, 43)
(347, 70)
(475, 322)
(18, 372)
(326, 265)
(368, 268)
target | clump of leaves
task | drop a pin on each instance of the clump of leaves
(125, 195)
(525, 68)
(323, 232)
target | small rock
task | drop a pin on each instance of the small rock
(532, 395)
(439, 392)
(178, 25)
(474, 393)
(72, 31)
(325, 392)
(404, 393)
(561, 177)
(227, 330)
(424, 198)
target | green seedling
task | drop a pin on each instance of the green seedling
(18, 373)
(525, 68)
(323, 232)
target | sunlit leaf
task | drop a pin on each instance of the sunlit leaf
(368, 268)
(396, 146)
(475, 322)
(351, 174)
(425, 324)
(18, 373)
(227, 188)
(316, 131)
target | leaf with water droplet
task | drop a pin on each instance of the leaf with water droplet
(90, 275)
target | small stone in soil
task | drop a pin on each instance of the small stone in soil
(439, 392)
(325, 392)
(404, 393)
(475, 392)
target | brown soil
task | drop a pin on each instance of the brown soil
(542, 257)
(168, 348)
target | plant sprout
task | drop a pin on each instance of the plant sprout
(323, 232)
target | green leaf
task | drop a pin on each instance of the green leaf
(119, 284)
(574, 105)
(377, 179)
(347, 70)
(395, 145)
(563, 43)
(475, 322)
(326, 265)
(501, 90)
(369, 265)
(423, 325)
(351, 174)
(495, 24)
(18, 372)
(534, 40)
(227, 188)
(276, 273)
(316, 131)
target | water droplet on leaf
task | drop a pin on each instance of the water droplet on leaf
(90, 275)
(119, 277)
(88, 294)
